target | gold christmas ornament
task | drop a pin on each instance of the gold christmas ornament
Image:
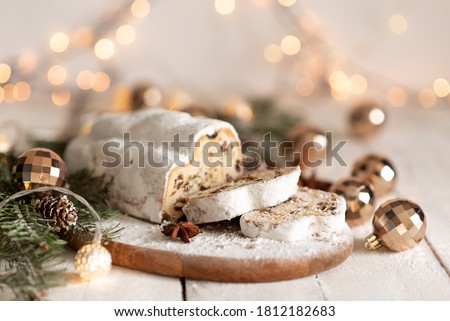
(39, 167)
(146, 95)
(399, 225)
(359, 197)
(367, 118)
(310, 145)
(93, 261)
(378, 171)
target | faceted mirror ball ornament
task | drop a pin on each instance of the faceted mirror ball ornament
(378, 171)
(39, 167)
(367, 118)
(359, 197)
(398, 224)
(311, 143)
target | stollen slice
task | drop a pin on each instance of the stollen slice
(259, 189)
(309, 213)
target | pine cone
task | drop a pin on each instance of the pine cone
(60, 211)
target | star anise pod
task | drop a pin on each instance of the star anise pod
(182, 230)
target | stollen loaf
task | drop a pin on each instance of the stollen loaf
(153, 178)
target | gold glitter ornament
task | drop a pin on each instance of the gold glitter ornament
(367, 118)
(92, 261)
(378, 171)
(310, 145)
(359, 197)
(39, 167)
(399, 225)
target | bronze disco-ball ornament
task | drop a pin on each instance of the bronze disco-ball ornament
(398, 224)
(310, 145)
(378, 171)
(39, 167)
(359, 197)
(367, 118)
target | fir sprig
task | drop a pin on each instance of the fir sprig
(30, 249)
(94, 189)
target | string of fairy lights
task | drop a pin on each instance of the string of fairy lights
(320, 69)
(19, 77)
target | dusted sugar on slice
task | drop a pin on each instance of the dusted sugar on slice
(310, 213)
(257, 190)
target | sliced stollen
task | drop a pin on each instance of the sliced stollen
(310, 213)
(257, 190)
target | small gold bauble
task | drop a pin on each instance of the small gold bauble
(359, 197)
(146, 95)
(39, 167)
(378, 171)
(92, 261)
(399, 225)
(367, 118)
(310, 145)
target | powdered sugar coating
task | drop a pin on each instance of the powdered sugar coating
(140, 189)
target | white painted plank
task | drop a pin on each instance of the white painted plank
(120, 284)
(306, 289)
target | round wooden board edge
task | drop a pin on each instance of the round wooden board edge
(218, 268)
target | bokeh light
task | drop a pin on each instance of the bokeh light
(22, 91)
(61, 97)
(5, 73)
(59, 42)
(140, 8)
(287, 3)
(125, 34)
(358, 84)
(224, 7)
(290, 45)
(339, 81)
(57, 75)
(397, 96)
(26, 62)
(85, 79)
(273, 53)
(8, 93)
(101, 81)
(398, 24)
(441, 87)
(104, 48)
(427, 98)
(83, 37)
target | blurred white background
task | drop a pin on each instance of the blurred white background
(183, 41)
(188, 44)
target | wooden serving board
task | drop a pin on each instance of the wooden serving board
(222, 253)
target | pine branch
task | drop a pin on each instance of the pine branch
(28, 249)
(86, 225)
(94, 189)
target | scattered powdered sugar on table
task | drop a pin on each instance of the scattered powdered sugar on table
(225, 240)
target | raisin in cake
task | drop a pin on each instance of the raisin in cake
(256, 190)
(310, 213)
(157, 192)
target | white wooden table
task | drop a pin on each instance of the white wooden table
(418, 142)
